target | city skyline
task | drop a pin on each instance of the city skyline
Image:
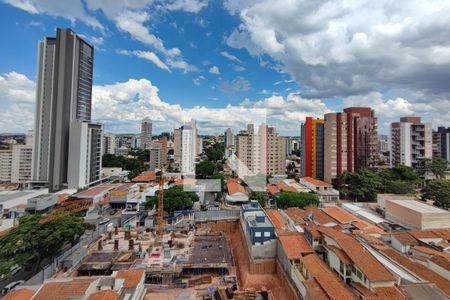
(228, 66)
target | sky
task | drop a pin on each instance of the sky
(226, 63)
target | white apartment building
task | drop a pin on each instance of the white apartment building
(411, 141)
(85, 155)
(187, 150)
(15, 164)
(108, 143)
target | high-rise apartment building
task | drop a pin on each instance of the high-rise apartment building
(411, 141)
(15, 163)
(260, 152)
(228, 138)
(156, 156)
(441, 143)
(146, 133)
(335, 145)
(362, 139)
(63, 95)
(85, 155)
(187, 149)
(312, 135)
(108, 143)
(177, 146)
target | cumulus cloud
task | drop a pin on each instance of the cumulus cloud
(214, 70)
(337, 49)
(192, 6)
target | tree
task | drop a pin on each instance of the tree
(291, 199)
(205, 169)
(400, 173)
(362, 185)
(436, 166)
(216, 152)
(175, 198)
(260, 196)
(30, 242)
(439, 191)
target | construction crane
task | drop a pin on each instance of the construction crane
(160, 214)
(66, 208)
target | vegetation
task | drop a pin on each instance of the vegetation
(205, 169)
(140, 154)
(30, 243)
(291, 199)
(436, 166)
(296, 152)
(134, 165)
(365, 184)
(216, 152)
(260, 196)
(439, 191)
(175, 198)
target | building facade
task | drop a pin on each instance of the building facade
(312, 136)
(411, 142)
(335, 145)
(85, 154)
(108, 143)
(146, 133)
(63, 95)
(156, 156)
(441, 143)
(187, 150)
(15, 163)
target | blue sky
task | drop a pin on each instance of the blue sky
(216, 61)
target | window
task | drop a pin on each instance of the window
(257, 234)
(266, 234)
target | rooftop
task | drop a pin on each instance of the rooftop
(94, 191)
(339, 214)
(315, 182)
(333, 286)
(64, 289)
(277, 219)
(273, 190)
(295, 214)
(104, 295)
(145, 177)
(419, 206)
(22, 294)
(295, 245)
(366, 262)
(287, 188)
(132, 277)
(235, 187)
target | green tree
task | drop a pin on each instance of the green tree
(400, 173)
(31, 242)
(363, 185)
(439, 191)
(436, 166)
(205, 169)
(216, 152)
(291, 199)
(260, 196)
(175, 198)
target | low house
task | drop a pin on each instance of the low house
(236, 193)
(42, 203)
(324, 191)
(402, 241)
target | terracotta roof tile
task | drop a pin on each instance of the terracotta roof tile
(366, 262)
(63, 289)
(427, 250)
(273, 190)
(314, 291)
(287, 188)
(132, 277)
(277, 219)
(420, 270)
(441, 261)
(339, 214)
(340, 254)
(333, 233)
(22, 294)
(296, 215)
(405, 238)
(332, 285)
(424, 234)
(389, 293)
(318, 215)
(234, 187)
(316, 182)
(104, 295)
(295, 245)
(145, 177)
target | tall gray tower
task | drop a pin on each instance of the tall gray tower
(146, 133)
(63, 94)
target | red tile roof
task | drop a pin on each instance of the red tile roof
(94, 191)
(333, 233)
(104, 295)
(277, 219)
(22, 294)
(63, 289)
(340, 254)
(405, 238)
(234, 187)
(315, 182)
(287, 188)
(318, 215)
(314, 291)
(339, 214)
(145, 177)
(366, 262)
(132, 277)
(332, 285)
(296, 215)
(441, 261)
(420, 270)
(273, 190)
(295, 245)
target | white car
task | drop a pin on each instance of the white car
(104, 221)
(11, 286)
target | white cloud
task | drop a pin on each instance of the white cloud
(338, 48)
(214, 70)
(148, 55)
(238, 84)
(230, 56)
(238, 68)
(197, 81)
(192, 6)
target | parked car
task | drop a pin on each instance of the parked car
(112, 212)
(11, 286)
(15, 269)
